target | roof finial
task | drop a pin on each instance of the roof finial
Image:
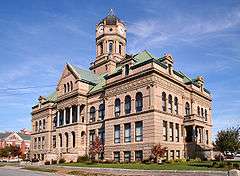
(111, 13)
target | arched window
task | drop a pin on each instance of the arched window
(73, 139)
(198, 110)
(139, 102)
(36, 126)
(126, 69)
(65, 88)
(44, 123)
(60, 140)
(117, 107)
(66, 136)
(40, 125)
(187, 109)
(164, 102)
(110, 47)
(101, 111)
(206, 115)
(71, 85)
(68, 87)
(170, 103)
(176, 105)
(127, 104)
(92, 114)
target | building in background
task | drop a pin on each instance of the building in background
(131, 102)
(20, 139)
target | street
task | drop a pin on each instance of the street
(16, 171)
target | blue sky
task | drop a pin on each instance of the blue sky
(38, 37)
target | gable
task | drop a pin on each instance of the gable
(13, 137)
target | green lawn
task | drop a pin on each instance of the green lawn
(206, 165)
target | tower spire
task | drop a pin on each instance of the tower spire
(111, 12)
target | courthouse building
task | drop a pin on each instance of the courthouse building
(130, 101)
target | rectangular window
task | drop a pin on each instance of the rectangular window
(35, 143)
(178, 154)
(54, 141)
(171, 131)
(43, 142)
(177, 132)
(116, 156)
(116, 134)
(172, 154)
(165, 130)
(138, 131)
(39, 142)
(101, 134)
(138, 155)
(91, 136)
(127, 156)
(127, 132)
(207, 137)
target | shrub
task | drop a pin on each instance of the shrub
(54, 161)
(180, 160)
(107, 161)
(221, 164)
(62, 160)
(236, 166)
(34, 160)
(219, 157)
(82, 158)
(71, 161)
(47, 162)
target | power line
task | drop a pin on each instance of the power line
(29, 87)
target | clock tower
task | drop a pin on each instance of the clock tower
(110, 44)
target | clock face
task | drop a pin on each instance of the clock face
(121, 29)
(100, 29)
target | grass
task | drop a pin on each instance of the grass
(81, 173)
(40, 169)
(207, 165)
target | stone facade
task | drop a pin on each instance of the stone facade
(132, 102)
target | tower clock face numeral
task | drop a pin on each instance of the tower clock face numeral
(100, 29)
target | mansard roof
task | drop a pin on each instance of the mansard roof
(97, 82)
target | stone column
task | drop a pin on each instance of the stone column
(64, 117)
(70, 114)
(78, 113)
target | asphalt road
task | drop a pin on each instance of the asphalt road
(15, 171)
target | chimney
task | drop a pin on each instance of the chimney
(200, 82)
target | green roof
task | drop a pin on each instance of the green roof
(52, 97)
(100, 85)
(143, 56)
(85, 75)
(24, 136)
